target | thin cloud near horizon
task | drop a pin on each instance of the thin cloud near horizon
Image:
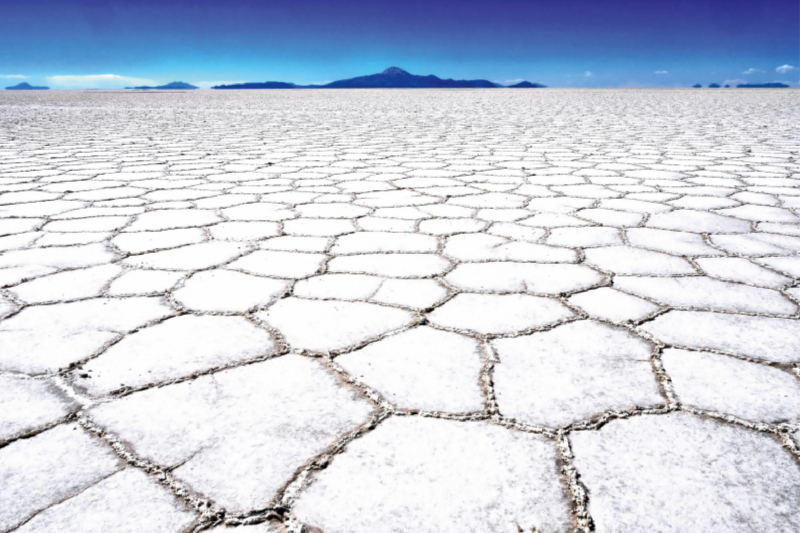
(96, 81)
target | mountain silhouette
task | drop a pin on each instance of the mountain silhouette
(527, 85)
(173, 85)
(397, 78)
(26, 87)
(391, 78)
(776, 85)
(259, 85)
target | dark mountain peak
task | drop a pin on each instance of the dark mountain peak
(527, 85)
(397, 78)
(178, 85)
(25, 87)
(172, 85)
(394, 71)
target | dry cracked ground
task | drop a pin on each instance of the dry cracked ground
(400, 311)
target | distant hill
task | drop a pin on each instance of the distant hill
(258, 85)
(775, 85)
(714, 86)
(698, 86)
(527, 85)
(391, 78)
(25, 87)
(173, 85)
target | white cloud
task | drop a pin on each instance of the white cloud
(662, 72)
(210, 84)
(587, 74)
(783, 69)
(734, 83)
(752, 71)
(16, 76)
(97, 81)
(510, 82)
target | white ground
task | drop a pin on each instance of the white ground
(389, 311)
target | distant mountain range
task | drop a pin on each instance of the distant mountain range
(776, 85)
(391, 78)
(173, 85)
(26, 87)
(265, 85)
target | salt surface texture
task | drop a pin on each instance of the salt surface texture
(406, 310)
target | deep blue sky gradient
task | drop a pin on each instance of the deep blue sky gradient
(555, 42)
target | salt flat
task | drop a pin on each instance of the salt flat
(400, 310)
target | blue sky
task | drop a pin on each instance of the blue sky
(561, 43)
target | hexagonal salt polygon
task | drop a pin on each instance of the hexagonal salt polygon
(403, 476)
(239, 435)
(573, 372)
